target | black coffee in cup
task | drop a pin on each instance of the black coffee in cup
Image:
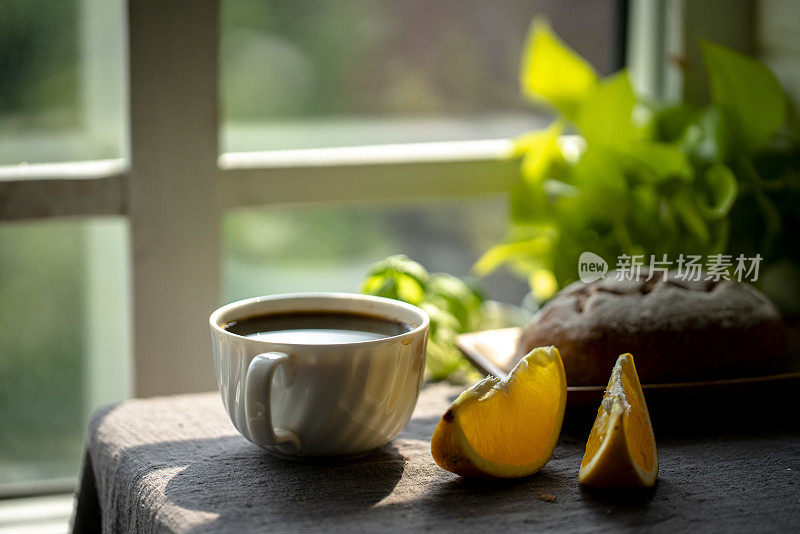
(317, 327)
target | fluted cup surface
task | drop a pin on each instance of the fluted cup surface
(319, 400)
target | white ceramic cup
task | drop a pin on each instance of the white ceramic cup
(297, 400)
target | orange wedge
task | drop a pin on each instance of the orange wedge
(505, 428)
(621, 451)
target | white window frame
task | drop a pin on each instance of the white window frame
(175, 187)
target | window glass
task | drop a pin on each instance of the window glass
(61, 80)
(63, 340)
(285, 249)
(316, 73)
(777, 40)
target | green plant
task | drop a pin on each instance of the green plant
(649, 178)
(453, 306)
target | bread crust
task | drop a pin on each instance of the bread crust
(677, 330)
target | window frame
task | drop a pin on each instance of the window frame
(175, 186)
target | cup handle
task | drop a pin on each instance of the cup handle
(257, 405)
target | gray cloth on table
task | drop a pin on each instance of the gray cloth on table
(177, 464)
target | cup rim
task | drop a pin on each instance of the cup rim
(216, 326)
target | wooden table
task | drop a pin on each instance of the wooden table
(177, 464)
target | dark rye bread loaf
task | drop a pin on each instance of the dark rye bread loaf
(676, 330)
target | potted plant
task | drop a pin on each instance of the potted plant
(649, 179)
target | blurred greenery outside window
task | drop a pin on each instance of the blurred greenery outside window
(61, 84)
(312, 74)
(63, 340)
(64, 346)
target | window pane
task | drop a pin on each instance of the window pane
(777, 36)
(61, 80)
(275, 250)
(63, 340)
(328, 73)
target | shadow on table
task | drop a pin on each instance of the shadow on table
(460, 488)
(548, 500)
(231, 476)
(693, 420)
(620, 499)
(461, 495)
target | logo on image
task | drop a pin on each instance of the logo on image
(591, 267)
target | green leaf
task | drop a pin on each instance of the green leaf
(542, 159)
(601, 183)
(552, 72)
(456, 298)
(668, 222)
(671, 122)
(541, 152)
(396, 277)
(400, 264)
(659, 160)
(748, 93)
(452, 305)
(556, 189)
(770, 214)
(527, 204)
(606, 116)
(721, 189)
(506, 252)
(708, 138)
(689, 214)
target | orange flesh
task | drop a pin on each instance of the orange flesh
(510, 425)
(637, 430)
(596, 437)
(634, 419)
